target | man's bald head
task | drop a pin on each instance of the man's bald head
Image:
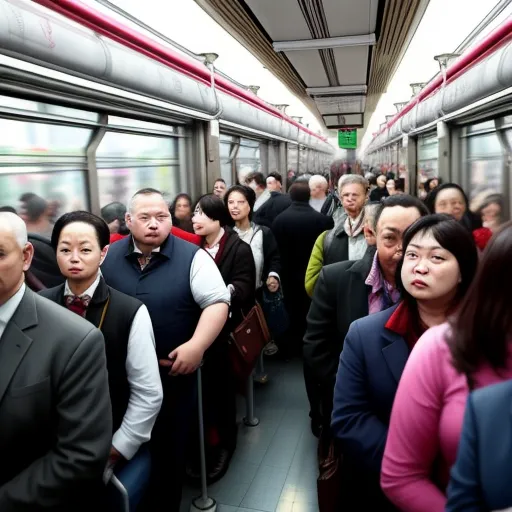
(10, 222)
(15, 254)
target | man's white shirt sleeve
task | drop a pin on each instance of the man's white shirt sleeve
(146, 393)
(206, 282)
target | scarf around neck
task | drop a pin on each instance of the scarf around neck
(354, 227)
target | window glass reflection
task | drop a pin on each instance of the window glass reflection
(131, 146)
(41, 197)
(47, 108)
(485, 167)
(121, 183)
(247, 159)
(226, 165)
(428, 148)
(22, 138)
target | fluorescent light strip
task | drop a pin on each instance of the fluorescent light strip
(340, 89)
(321, 44)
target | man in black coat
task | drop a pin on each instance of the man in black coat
(343, 292)
(296, 230)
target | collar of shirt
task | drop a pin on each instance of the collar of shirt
(90, 291)
(137, 250)
(375, 279)
(404, 323)
(8, 309)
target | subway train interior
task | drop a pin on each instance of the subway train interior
(95, 105)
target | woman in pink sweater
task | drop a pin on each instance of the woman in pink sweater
(448, 360)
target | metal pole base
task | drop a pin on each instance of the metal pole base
(200, 504)
(251, 422)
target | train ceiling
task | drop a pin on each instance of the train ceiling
(337, 56)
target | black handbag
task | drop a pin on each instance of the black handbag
(275, 312)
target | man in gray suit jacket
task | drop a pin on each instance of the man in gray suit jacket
(55, 413)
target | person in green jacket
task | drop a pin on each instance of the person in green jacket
(323, 245)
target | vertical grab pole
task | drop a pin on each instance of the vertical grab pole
(203, 502)
(250, 420)
(260, 376)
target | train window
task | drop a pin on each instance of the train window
(129, 162)
(428, 148)
(293, 159)
(481, 127)
(303, 161)
(134, 123)
(47, 108)
(226, 161)
(248, 158)
(273, 158)
(485, 167)
(41, 195)
(21, 139)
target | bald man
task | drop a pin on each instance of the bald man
(55, 412)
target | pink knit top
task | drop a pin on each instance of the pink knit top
(426, 424)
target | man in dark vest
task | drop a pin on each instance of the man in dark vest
(80, 240)
(188, 304)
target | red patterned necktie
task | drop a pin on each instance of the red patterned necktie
(78, 304)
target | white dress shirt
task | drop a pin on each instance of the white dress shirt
(8, 308)
(146, 393)
(206, 283)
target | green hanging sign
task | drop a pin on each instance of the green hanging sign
(347, 139)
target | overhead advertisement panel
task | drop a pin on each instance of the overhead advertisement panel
(347, 139)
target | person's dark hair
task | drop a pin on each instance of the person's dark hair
(100, 226)
(222, 180)
(214, 208)
(9, 209)
(183, 195)
(113, 211)
(482, 330)
(276, 176)
(491, 199)
(300, 192)
(27, 196)
(258, 178)
(247, 192)
(35, 206)
(453, 237)
(403, 200)
(429, 181)
(430, 200)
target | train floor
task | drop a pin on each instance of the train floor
(274, 467)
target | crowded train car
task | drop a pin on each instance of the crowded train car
(203, 304)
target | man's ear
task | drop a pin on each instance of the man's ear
(369, 234)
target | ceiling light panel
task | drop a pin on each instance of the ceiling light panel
(341, 104)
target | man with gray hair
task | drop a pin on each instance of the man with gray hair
(346, 241)
(55, 412)
(318, 186)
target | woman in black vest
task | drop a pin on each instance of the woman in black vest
(80, 240)
(236, 264)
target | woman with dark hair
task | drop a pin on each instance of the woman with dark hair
(438, 263)
(236, 264)
(240, 201)
(471, 351)
(449, 198)
(80, 240)
(181, 212)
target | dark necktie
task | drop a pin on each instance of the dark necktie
(78, 304)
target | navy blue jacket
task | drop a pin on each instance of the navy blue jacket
(371, 364)
(163, 286)
(480, 479)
